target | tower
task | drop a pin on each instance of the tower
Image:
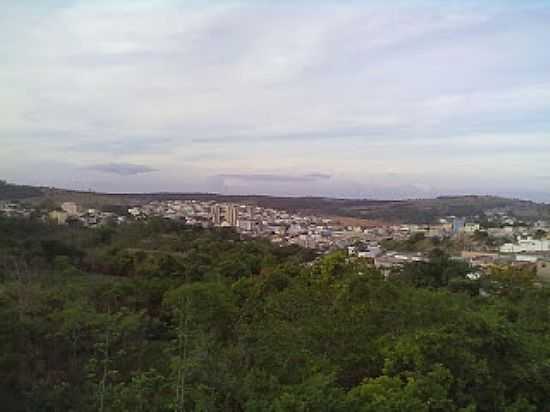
(232, 215)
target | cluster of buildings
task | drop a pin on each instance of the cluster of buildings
(514, 242)
(253, 221)
(70, 212)
(527, 245)
(363, 241)
(308, 231)
(67, 213)
(12, 209)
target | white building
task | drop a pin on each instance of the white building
(246, 225)
(295, 229)
(526, 245)
(372, 252)
(71, 208)
(134, 211)
(527, 258)
(471, 227)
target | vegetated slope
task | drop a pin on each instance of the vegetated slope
(16, 192)
(156, 316)
(427, 210)
(411, 210)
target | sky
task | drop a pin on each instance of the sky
(355, 99)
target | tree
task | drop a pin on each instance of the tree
(437, 272)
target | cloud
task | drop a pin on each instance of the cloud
(122, 169)
(442, 89)
(125, 145)
(386, 129)
(318, 176)
(277, 178)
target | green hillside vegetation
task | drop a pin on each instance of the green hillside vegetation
(420, 243)
(429, 210)
(409, 211)
(161, 317)
(17, 192)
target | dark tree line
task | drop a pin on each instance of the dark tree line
(10, 192)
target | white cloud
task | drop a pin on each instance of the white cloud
(354, 89)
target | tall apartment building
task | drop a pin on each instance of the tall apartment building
(224, 213)
(217, 215)
(232, 215)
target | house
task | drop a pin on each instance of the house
(471, 227)
(71, 208)
(526, 245)
(58, 216)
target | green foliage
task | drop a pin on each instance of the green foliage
(438, 272)
(420, 243)
(413, 393)
(507, 278)
(160, 317)
(13, 192)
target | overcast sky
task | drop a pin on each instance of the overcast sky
(350, 99)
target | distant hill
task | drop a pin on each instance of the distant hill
(427, 210)
(412, 210)
(18, 192)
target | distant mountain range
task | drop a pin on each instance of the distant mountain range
(410, 210)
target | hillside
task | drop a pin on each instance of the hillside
(18, 192)
(427, 210)
(412, 210)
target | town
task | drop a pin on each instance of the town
(494, 238)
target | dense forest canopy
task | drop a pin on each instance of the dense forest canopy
(157, 316)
